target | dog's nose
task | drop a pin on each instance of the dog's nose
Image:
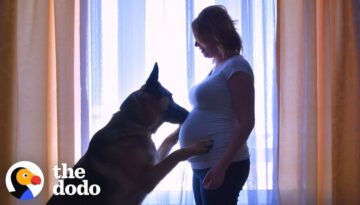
(175, 113)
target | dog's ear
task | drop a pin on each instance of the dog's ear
(152, 84)
(154, 75)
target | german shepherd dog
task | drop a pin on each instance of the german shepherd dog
(122, 158)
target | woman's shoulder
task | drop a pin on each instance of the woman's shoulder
(237, 61)
(235, 64)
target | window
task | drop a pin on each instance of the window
(121, 40)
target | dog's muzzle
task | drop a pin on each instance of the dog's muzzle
(175, 113)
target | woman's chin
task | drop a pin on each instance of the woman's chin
(206, 55)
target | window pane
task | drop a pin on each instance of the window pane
(126, 38)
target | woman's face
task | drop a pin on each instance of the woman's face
(208, 49)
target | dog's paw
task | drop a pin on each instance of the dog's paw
(201, 147)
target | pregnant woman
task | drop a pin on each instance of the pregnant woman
(223, 110)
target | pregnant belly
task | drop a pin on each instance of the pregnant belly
(201, 125)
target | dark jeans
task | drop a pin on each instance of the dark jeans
(228, 193)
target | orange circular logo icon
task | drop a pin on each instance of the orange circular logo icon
(24, 180)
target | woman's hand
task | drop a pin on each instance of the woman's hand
(214, 178)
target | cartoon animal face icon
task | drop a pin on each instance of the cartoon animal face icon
(22, 177)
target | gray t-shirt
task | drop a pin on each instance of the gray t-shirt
(212, 114)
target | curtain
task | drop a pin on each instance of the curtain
(319, 99)
(39, 87)
(121, 40)
(7, 73)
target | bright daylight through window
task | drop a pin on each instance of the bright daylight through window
(123, 41)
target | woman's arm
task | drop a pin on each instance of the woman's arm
(243, 103)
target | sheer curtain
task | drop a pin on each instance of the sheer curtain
(120, 42)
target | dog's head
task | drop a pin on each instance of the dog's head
(155, 102)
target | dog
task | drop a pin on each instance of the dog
(122, 158)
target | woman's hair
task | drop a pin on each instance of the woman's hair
(215, 25)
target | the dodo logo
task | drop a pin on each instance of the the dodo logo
(24, 180)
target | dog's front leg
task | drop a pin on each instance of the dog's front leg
(153, 174)
(168, 143)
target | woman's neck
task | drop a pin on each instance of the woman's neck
(218, 62)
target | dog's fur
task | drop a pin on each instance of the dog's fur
(122, 158)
